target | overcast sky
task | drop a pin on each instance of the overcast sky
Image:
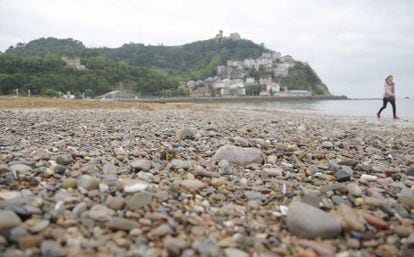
(352, 45)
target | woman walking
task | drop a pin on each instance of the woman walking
(389, 96)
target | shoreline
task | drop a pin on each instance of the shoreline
(232, 99)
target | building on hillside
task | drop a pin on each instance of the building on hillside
(73, 63)
(183, 84)
(264, 93)
(265, 80)
(281, 70)
(235, 64)
(233, 90)
(288, 59)
(191, 84)
(273, 88)
(250, 81)
(235, 36)
(272, 55)
(200, 92)
(218, 84)
(224, 72)
(266, 62)
(249, 63)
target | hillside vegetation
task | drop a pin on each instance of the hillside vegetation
(144, 70)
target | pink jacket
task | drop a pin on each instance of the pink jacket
(389, 89)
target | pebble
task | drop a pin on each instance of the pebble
(352, 221)
(162, 230)
(120, 182)
(322, 249)
(354, 189)
(192, 184)
(180, 165)
(9, 219)
(64, 159)
(407, 200)
(273, 171)
(29, 241)
(310, 222)
(232, 252)
(410, 172)
(9, 195)
(36, 226)
(3, 169)
(52, 249)
(137, 187)
(402, 231)
(175, 245)
(138, 201)
(239, 156)
(337, 199)
(115, 203)
(349, 162)
(100, 212)
(121, 224)
(375, 201)
(87, 182)
(368, 178)
(307, 253)
(241, 141)
(376, 221)
(16, 233)
(311, 200)
(327, 144)
(138, 165)
(342, 176)
(20, 168)
(185, 133)
(69, 183)
(79, 209)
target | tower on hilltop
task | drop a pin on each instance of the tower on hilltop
(219, 35)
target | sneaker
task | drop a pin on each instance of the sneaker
(378, 116)
(396, 118)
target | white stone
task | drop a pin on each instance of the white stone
(137, 187)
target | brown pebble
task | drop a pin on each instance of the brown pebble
(402, 231)
(323, 249)
(387, 250)
(307, 253)
(30, 241)
(376, 221)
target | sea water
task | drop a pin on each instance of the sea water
(360, 107)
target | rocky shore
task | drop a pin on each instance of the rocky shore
(209, 182)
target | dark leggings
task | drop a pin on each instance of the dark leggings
(385, 100)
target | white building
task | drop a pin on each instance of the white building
(236, 89)
(250, 81)
(219, 84)
(281, 70)
(235, 64)
(235, 36)
(273, 87)
(249, 63)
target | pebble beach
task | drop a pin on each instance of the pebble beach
(157, 182)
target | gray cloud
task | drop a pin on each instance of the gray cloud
(352, 44)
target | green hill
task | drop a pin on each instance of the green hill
(147, 70)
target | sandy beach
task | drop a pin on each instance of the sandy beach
(121, 179)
